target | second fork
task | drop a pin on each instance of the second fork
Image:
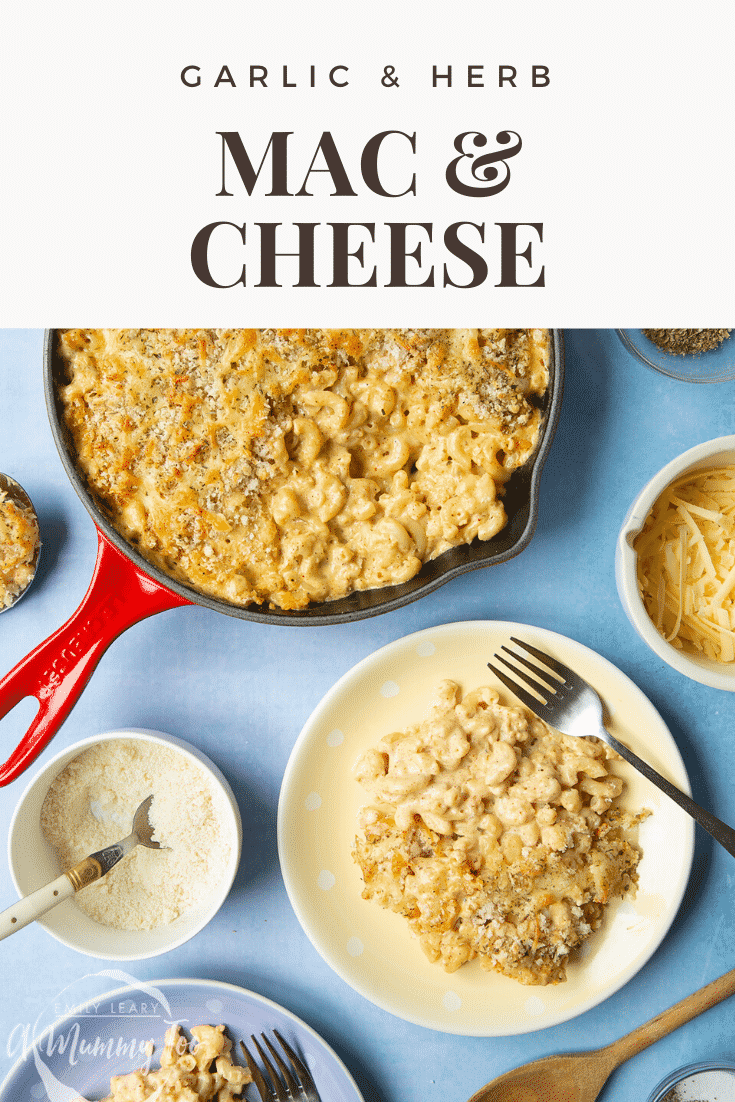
(292, 1082)
(570, 705)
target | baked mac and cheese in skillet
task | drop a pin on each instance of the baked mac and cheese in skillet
(494, 836)
(286, 466)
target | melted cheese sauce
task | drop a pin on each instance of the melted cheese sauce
(289, 466)
(496, 837)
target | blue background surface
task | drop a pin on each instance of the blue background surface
(241, 691)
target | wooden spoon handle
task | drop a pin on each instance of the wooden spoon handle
(669, 1020)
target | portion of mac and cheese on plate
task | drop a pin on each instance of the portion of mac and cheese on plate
(186, 1073)
(494, 836)
(286, 466)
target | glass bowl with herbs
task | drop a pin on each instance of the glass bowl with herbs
(691, 355)
(706, 1082)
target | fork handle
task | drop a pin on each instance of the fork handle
(92, 868)
(720, 831)
(32, 906)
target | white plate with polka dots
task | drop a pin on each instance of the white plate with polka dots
(76, 1056)
(373, 950)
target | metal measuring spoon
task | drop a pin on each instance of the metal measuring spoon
(92, 868)
(15, 493)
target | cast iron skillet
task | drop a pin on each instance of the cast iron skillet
(125, 587)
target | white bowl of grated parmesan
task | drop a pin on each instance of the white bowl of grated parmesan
(675, 563)
(84, 799)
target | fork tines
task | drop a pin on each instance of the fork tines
(287, 1084)
(553, 663)
(551, 682)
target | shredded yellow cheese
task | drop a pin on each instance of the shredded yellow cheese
(686, 563)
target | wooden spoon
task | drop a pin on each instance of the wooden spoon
(580, 1076)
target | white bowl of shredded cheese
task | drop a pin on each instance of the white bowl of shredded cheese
(675, 563)
(84, 799)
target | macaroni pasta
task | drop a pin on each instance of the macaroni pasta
(19, 543)
(298, 465)
(494, 836)
(186, 1073)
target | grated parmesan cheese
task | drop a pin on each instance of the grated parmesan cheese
(686, 563)
(91, 805)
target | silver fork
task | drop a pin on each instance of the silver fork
(574, 708)
(86, 872)
(294, 1084)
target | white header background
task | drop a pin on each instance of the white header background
(111, 165)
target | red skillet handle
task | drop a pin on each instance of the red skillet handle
(56, 672)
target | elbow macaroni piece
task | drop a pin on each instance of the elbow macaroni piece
(297, 465)
(496, 837)
(19, 542)
(186, 1073)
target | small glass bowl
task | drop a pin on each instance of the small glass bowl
(715, 366)
(691, 1071)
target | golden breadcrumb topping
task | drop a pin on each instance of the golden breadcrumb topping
(297, 465)
(494, 836)
(19, 543)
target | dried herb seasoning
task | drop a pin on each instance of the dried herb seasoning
(687, 342)
(704, 1085)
